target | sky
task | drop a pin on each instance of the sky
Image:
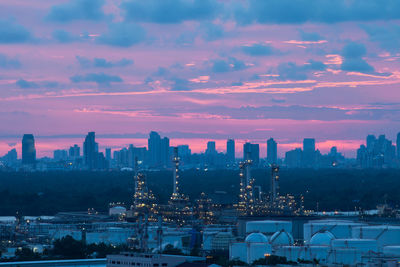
(199, 70)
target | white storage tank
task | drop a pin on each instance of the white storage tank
(308, 253)
(383, 234)
(268, 227)
(362, 245)
(348, 256)
(339, 228)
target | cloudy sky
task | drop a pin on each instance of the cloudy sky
(197, 70)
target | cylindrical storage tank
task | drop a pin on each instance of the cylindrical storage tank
(268, 227)
(385, 235)
(339, 228)
(291, 253)
(363, 245)
(348, 256)
(391, 251)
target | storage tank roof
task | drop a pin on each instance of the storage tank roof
(256, 238)
(322, 238)
(281, 238)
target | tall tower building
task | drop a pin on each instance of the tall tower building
(28, 149)
(398, 145)
(309, 152)
(272, 151)
(230, 150)
(252, 151)
(108, 154)
(165, 152)
(211, 147)
(154, 146)
(90, 151)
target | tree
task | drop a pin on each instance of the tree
(69, 248)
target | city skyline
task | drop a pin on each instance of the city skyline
(67, 71)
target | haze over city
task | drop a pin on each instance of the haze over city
(210, 70)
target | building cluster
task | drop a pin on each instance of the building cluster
(377, 153)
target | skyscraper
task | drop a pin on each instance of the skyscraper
(211, 147)
(165, 154)
(309, 152)
(108, 154)
(272, 151)
(230, 150)
(252, 151)
(90, 151)
(154, 145)
(28, 149)
(74, 152)
(398, 145)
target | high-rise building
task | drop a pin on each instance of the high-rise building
(272, 151)
(398, 145)
(211, 147)
(90, 148)
(309, 152)
(154, 146)
(28, 149)
(293, 158)
(252, 151)
(165, 152)
(108, 154)
(74, 152)
(230, 150)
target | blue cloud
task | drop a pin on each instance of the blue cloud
(77, 10)
(258, 50)
(231, 64)
(63, 36)
(310, 36)
(11, 32)
(24, 84)
(353, 54)
(302, 11)
(102, 62)
(387, 37)
(170, 11)
(292, 71)
(179, 84)
(9, 63)
(99, 78)
(123, 35)
(211, 31)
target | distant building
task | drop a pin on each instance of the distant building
(28, 149)
(154, 146)
(165, 152)
(108, 154)
(60, 154)
(272, 151)
(90, 147)
(11, 157)
(398, 146)
(378, 153)
(252, 151)
(293, 158)
(74, 152)
(230, 150)
(309, 152)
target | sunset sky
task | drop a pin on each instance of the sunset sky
(198, 70)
